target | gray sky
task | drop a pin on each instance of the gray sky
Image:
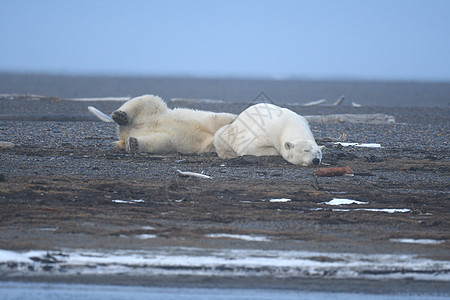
(357, 39)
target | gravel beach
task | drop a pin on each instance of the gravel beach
(63, 186)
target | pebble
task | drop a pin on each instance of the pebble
(6, 145)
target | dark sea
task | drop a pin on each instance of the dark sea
(45, 291)
(281, 91)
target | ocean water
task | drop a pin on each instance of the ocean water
(47, 291)
(245, 90)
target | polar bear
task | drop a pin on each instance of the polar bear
(146, 124)
(266, 129)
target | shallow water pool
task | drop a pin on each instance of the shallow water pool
(47, 291)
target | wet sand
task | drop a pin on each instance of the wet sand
(58, 183)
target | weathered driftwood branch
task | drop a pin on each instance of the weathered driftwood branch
(119, 99)
(315, 103)
(99, 114)
(50, 117)
(196, 101)
(193, 174)
(27, 97)
(352, 118)
(40, 97)
(319, 102)
(338, 171)
(339, 101)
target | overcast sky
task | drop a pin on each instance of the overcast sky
(377, 39)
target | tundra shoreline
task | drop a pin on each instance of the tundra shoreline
(59, 181)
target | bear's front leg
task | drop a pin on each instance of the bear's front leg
(153, 143)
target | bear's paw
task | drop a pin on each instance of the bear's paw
(133, 145)
(120, 117)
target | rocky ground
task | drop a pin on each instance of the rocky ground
(60, 180)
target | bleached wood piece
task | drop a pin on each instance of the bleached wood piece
(193, 174)
(352, 118)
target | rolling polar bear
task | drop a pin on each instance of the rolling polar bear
(266, 129)
(146, 124)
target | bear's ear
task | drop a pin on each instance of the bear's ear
(322, 148)
(288, 146)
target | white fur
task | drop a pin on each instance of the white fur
(159, 129)
(266, 129)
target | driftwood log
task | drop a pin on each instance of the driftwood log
(337, 171)
(352, 118)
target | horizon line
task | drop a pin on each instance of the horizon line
(274, 77)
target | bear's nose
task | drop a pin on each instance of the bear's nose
(316, 161)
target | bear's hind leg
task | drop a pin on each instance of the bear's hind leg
(154, 143)
(223, 142)
(139, 110)
(133, 145)
(120, 117)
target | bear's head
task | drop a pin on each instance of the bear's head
(302, 152)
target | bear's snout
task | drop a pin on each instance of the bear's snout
(316, 161)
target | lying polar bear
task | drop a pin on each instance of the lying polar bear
(146, 124)
(266, 129)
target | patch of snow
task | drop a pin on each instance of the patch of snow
(121, 201)
(280, 200)
(249, 238)
(418, 241)
(146, 236)
(148, 227)
(386, 210)
(128, 202)
(343, 201)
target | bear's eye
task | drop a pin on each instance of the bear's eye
(306, 150)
